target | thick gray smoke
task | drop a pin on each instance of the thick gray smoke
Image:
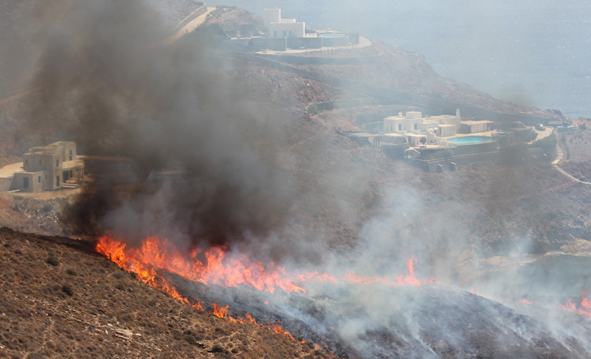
(209, 165)
(168, 109)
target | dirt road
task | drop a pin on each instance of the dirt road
(187, 28)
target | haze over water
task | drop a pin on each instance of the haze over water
(528, 52)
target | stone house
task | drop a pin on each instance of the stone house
(48, 168)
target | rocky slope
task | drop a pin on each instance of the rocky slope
(60, 299)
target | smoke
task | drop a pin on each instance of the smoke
(106, 86)
(212, 162)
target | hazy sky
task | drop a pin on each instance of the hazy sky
(527, 51)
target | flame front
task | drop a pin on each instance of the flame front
(155, 254)
(160, 254)
(583, 306)
(219, 268)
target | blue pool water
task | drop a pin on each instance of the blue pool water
(470, 140)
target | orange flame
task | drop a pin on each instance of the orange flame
(222, 269)
(583, 308)
(156, 254)
(116, 252)
(219, 311)
(250, 319)
(277, 328)
(160, 254)
(400, 280)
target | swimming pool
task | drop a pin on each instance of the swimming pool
(470, 140)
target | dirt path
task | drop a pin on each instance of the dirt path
(559, 169)
(187, 28)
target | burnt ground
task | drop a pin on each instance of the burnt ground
(60, 299)
(576, 146)
(493, 210)
(433, 321)
(63, 300)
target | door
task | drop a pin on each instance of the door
(57, 181)
(25, 182)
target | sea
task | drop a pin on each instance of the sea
(529, 52)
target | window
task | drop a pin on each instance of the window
(46, 176)
(416, 126)
(57, 163)
(26, 162)
(25, 182)
(57, 181)
(70, 155)
(39, 162)
(399, 127)
(39, 179)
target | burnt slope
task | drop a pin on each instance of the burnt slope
(59, 298)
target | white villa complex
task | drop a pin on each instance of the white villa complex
(279, 27)
(436, 130)
(414, 127)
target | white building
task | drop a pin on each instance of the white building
(45, 168)
(449, 120)
(402, 124)
(279, 27)
(434, 129)
(476, 126)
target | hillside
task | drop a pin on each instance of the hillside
(59, 299)
(225, 153)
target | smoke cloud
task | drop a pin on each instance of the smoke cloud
(209, 164)
(106, 86)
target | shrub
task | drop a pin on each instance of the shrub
(71, 272)
(313, 110)
(119, 274)
(547, 142)
(47, 208)
(53, 261)
(68, 290)
(217, 349)
(18, 198)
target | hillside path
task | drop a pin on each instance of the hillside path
(559, 169)
(187, 28)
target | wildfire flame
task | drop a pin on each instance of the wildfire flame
(583, 307)
(218, 311)
(400, 280)
(156, 254)
(277, 328)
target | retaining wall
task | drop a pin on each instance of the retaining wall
(200, 11)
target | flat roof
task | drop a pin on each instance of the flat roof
(415, 135)
(475, 122)
(395, 135)
(72, 164)
(50, 149)
(447, 125)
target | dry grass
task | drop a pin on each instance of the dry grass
(102, 312)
